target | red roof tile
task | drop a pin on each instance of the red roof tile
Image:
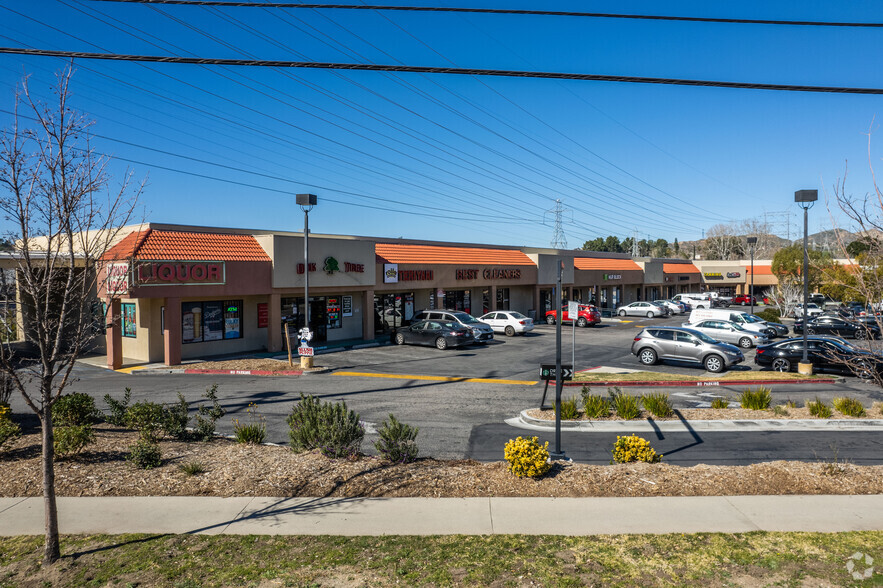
(175, 246)
(435, 255)
(760, 270)
(679, 268)
(599, 263)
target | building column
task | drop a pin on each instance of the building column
(114, 334)
(172, 332)
(492, 303)
(368, 315)
(274, 323)
(536, 303)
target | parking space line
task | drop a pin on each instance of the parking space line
(436, 378)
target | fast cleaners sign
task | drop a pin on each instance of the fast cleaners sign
(180, 273)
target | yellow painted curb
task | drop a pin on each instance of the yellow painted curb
(436, 378)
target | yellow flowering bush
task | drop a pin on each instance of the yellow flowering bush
(634, 448)
(8, 429)
(527, 458)
(5, 412)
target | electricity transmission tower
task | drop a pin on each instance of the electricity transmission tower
(559, 241)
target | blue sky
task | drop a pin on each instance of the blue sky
(459, 158)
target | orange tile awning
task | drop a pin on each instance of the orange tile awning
(182, 246)
(679, 268)
(760, 270)
(439, 255)
(608, 265)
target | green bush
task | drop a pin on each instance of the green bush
(254, 430)
(633, 448)
(193, 468)
(780, 411)
(74, 410)
(849, 406)
(8, 430)
(596, 406)
(569, 409)
(72, 439)
(331, 428)
(758, 399)
(527, 458)
(117, 408)
(176, 418)
(819, 409)
(397, 441)
(720, 403)
(625, 405)
(146, 418)
(208, 415)
(145, 454)
(770, 314)
(658, 404)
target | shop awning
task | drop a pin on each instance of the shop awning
(760, 270)
(604, 264)
(679, 268)
(181, 246)
(439, 255)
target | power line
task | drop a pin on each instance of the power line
(802, 23)
(435, 70)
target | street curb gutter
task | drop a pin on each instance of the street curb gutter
(217, 372)
(703, 383)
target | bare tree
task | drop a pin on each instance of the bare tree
(722, 242)
(767, 242)
(55, 193)
(786, 296)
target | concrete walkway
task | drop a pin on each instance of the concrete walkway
(446, 516)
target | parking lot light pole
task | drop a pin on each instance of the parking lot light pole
(752, 241)
(306, 203)
(805, 199)
(559, 379)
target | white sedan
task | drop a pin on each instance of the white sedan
(508, 321)
(674, 307)
(647, 309)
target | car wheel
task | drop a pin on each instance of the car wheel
(649, 314)
(714, 364)
(810, 331)
(582, 322)
(400, 339)
(550, 320)
(510, 330)
(441, 343)
(745, 343)
(860, 334)
(647, 356)
(780, 364)
(864, 371)
(743, 303)
(621, 313)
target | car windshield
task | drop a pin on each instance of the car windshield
(517, 315)
(703, 337)
(464, 318)
(738, 327)
(753, 318)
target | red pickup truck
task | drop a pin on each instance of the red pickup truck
(588, 315)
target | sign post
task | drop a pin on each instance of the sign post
(549, 372)
(573, 313)
(559, 383)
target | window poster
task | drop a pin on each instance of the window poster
(333, 311)
(128, 312)
(347, 305)
(191, 322)
(213, 321)
(232, 319)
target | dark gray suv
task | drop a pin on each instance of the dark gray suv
(685, 344)
(481, 331)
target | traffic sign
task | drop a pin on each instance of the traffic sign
(547, 371)
(305, 334)
(305, 351)
(572, 309)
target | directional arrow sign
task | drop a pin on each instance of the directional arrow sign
(547, 371)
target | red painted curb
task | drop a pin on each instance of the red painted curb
(245, 372)
(701, 384)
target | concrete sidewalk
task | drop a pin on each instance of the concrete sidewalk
(446, 516)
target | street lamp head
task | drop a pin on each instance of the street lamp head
(805, 198)
(306, 201)
(752, 240)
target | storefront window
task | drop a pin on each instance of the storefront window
(502, 298)
(211, 321)
(393, 310)
(129, 325)
(333, 312)
(457, 300)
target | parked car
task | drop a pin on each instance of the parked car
(647, 309)
(442, 334)
(812, 309)
(824, 353)
(694, 300)
(684, 344)
(832, 325)
(730, 332)
(674, 307)
(744, 300)
(481, 331)
(772, 329)
(509, 322)
(588, 315)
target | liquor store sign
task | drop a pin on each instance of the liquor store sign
(180, 273)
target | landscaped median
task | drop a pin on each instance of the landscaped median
(645, 378)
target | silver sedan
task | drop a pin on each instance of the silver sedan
(730, 332)
(647, 309)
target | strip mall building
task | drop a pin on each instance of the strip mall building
(178, 292)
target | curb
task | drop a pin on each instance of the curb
(702, 383)
(218, 372)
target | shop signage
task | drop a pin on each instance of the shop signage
(305, 351)
(415, 275)
(331, 265)
(117, 279)
(734, 274)
(489, 274)
(181, 273)
(390, 273)
(466, 274)
(713, 276)
(263, 315)
(611, 276)
(548, 371)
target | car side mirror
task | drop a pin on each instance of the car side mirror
(696, 343)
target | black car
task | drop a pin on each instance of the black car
(826, 354)
(834, 325)
(442, 334)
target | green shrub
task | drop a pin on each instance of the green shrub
(658, 404)
(208, 415)
(633, 448)
(790, 404)
(193, 468)
(397, 441)
(720, 403)
(770, 314)
(758, 399)
(145, 454)
(780, 411)
(74, 410)
(146, 418)
(819, 409)
(329, 427)
(849, 406)
(527, 458)
(625, 405)
(596, 406)
(569, 409)
(73, 439)
(117, 408)
(254, 430)
(176, 418)
(8, 430)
